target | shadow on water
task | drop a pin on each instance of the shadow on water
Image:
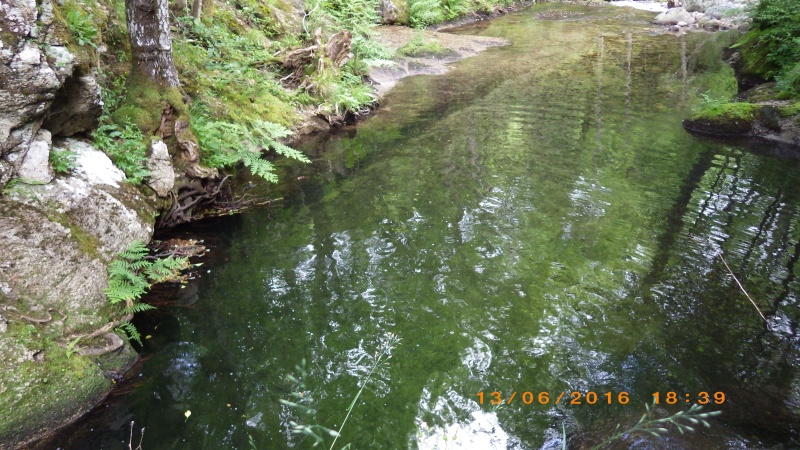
(535, 221)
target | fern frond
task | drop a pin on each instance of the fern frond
(270, 130)
(130, 331)
(135, 251)
(138, 307)
(289, 152)
(258, 166)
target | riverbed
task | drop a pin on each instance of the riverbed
(534, 221)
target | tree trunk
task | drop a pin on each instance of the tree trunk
(151, 43)
(208, 8)
(197, 7)
(154, 100)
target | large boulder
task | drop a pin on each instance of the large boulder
(32, 69)
(673, 16)
(57, 240)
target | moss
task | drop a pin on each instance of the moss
(727, 112)
(790, 110)
(420, 48)
(86, 242)
(41, 385)
(727, 119)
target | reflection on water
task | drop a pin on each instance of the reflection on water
(534, 221)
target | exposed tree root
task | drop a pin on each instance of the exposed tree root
(189, 200)
(32, 319)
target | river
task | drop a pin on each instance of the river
(534, 221)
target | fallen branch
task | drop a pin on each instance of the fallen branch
(742, 288)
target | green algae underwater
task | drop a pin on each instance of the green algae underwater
(536, 220)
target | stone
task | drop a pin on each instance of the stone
(735, 11)
(673, 16)
(36, 164)
(388, 11)
(162, 173)
(31, 72)
(92, 165)
(76, 107)
(682, 24)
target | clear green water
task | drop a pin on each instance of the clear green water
(535, 220)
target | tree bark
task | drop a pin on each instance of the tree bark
(151, 43)
(208, 9)
(197, 7)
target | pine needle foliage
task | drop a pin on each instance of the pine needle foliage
(226, 144)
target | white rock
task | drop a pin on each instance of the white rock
(682, 24)
(30, 56)
(92, 165)
(36, 165)
(159, 163)
(673, 16)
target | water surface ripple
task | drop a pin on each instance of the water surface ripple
(535, 220)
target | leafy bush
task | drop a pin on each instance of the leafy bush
(225, 144)
(125, 145)
(63, 161)
(772, 47)
(422, 13)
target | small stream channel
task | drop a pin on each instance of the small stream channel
(536, 220)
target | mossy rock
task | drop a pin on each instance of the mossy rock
(426, 49)
(42, 386)
(729, 119)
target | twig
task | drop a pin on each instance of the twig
(742, 287)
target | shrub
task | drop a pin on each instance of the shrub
(772, 47)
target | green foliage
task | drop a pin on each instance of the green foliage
(340, 91)
(425, 12)
(20, 185)
(131, 274)
(683, 421)
(125, 145)
(81, 25)
(772, 47)
(130, 330)
(63, 161)
(225, 144)
(226, 67)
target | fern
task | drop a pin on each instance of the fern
(138, 307)
(225, 144)
(130, 331)
(425, 12)
(131, 275)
